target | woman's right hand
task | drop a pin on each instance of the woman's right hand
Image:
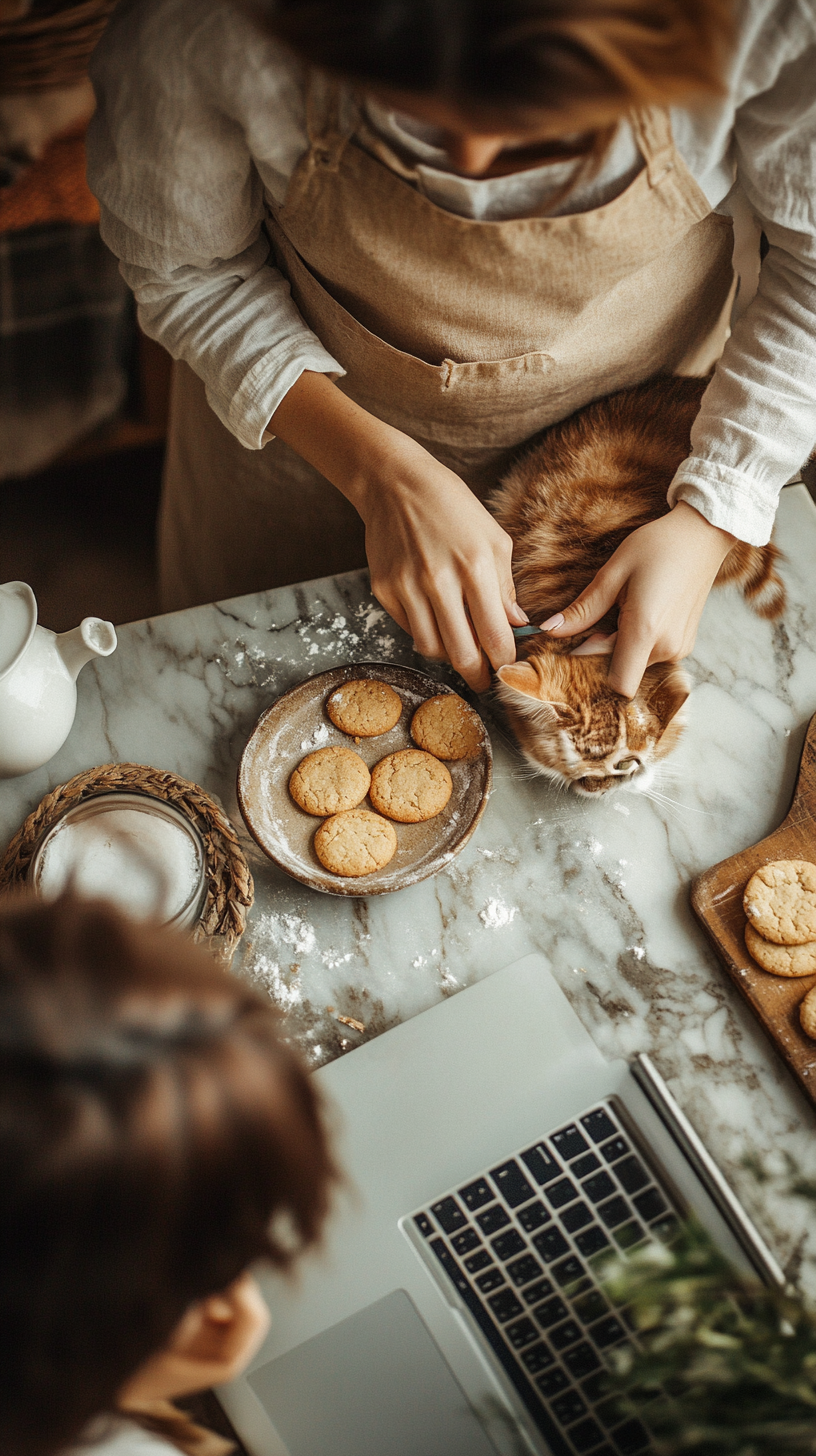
(440, 563)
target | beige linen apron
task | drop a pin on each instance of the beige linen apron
(469, 336)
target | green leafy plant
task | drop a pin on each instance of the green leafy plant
(722, 1365)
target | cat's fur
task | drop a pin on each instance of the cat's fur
(568, 504)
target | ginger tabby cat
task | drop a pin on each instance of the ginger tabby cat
(567, 504)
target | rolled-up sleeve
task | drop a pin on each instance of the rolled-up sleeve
(183, 205)
(757, 423)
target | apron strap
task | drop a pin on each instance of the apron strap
(331, 117)
(653, 134)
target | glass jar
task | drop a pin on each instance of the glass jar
(133, 850)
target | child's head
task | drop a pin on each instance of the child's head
(559, 66)
(155, 1139)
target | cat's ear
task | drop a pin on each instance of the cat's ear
(665, 688)
(522, 688)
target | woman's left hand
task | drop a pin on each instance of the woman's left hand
(660, 577)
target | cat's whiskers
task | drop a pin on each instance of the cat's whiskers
(660, 798)
(669, 810)
(670, 774)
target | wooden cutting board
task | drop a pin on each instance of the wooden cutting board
(716, 897)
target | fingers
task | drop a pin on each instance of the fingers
(422, 626)
(465, 624)
(462, 646)
(587, 609)
(391, 604)
(440, 628)
(503, 558)
(489, 614)
(632, 655)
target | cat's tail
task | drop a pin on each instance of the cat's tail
(753, 568)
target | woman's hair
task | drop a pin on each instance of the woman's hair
(584, 62)
(156, 1137)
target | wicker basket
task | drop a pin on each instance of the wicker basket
(230, 889)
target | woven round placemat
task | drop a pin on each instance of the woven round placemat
(39, 51)
(230, 890)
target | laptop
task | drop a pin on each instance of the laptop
(493, 1157)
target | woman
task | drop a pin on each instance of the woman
(156, 1138)
(488, 212)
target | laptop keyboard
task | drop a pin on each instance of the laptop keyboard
(521, 1244)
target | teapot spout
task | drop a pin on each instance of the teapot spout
(92, 638)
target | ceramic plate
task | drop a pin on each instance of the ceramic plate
(298, 724)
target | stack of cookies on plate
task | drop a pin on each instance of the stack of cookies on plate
(407, 787)
(780, 903)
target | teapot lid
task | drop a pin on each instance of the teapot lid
(18, 618)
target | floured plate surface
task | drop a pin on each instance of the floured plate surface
(298, 724)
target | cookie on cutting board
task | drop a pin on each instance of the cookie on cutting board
(329, 781)
(410, 786)
(364, 708)
(807, 1014)
(780, 902)
(781, 960)
(446, 727)
(355, 843)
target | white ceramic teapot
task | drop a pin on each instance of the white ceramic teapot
(38, 672)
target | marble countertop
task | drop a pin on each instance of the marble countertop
(601, 888)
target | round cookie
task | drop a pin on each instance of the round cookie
(781, 960)
(364, 708)
(807, 1014)
(780, 901)
(355, 843)
(329, 781)
(410, 786)
(446, 727)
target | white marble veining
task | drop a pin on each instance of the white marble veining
(601, 887)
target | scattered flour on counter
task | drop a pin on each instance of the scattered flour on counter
(594, 846)
(321, 735)
(287, 930)
(384, 645)
(621, 808)
(313, 650)
(496, 914)
(342, 632)
(637, 951)
(285, 993)
(369, 616)
(332, 960)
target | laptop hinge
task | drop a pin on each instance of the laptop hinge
(694, 1150)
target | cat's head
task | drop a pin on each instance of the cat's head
(574, 728)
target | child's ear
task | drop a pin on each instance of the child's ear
(212, 1343)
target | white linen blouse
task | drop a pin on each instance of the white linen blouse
(120, 1437)
(201, 122)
